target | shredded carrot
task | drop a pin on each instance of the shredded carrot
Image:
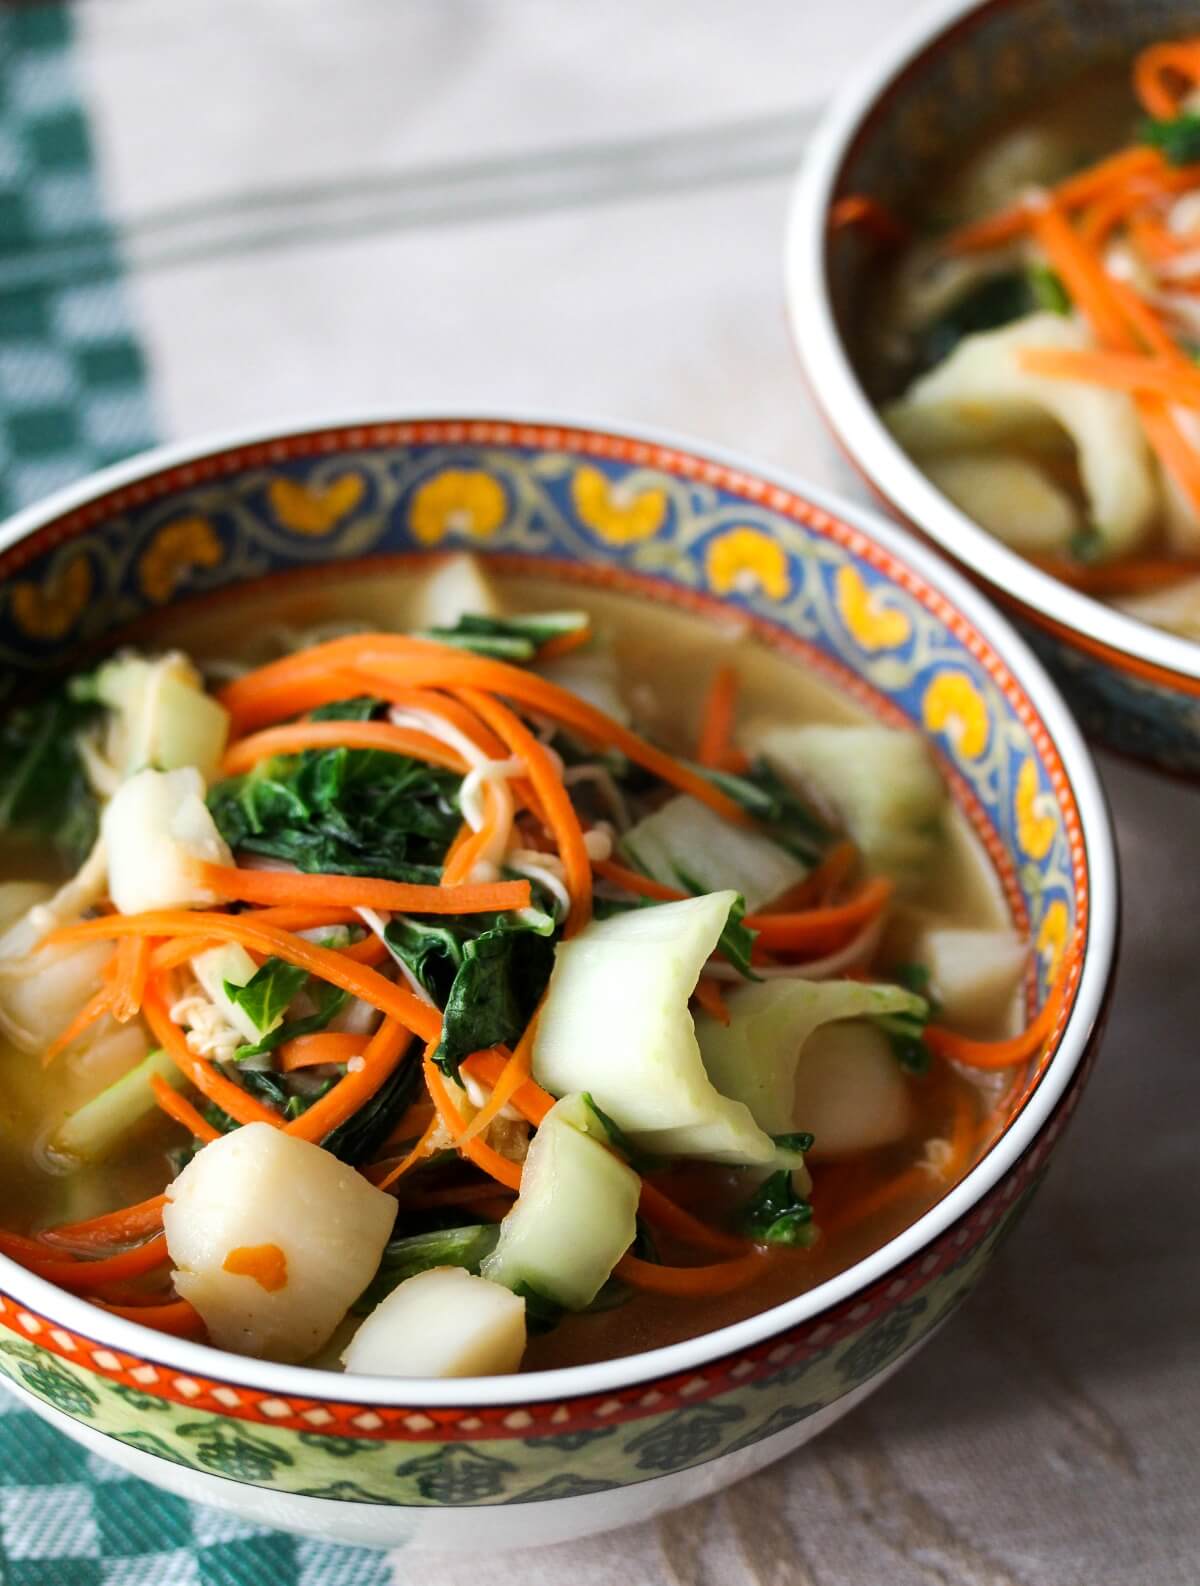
(112, 1228)
(530, 1100)
(422, 1149)
(383, 1055)
(633, 881)
(1085, 187)
(1083, 274)
(823, 883)
(452, 710)
(547, 784)
(721, 1278)
(669, 1217)
(371, 950)
(208, 1081)
(132, 967)
(301, 735)
(385, 662)
(83, 1277)
(327, 1046)
(178, 1107)
(565, 643)
(1005, 1053)
(1153, 70)
(477, 1150)
(708, 995)
(326, 963)
(1122, 372)
(171, 954)
(1130, 576)
(97, 1005)
(716, 728)
(907, 1185)
(176, 1317)
(288, 887)
(823, 928)
(468, 848)
(869, 215)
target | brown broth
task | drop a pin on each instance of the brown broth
(673, 654)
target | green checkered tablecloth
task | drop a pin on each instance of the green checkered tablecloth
(74, 395)
(67, 1519)
(73, 391)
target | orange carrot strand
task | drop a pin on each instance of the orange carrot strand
(181, 1110)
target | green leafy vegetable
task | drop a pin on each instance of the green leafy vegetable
(329, 1000)
(44, 790)
(985, 305)
(495, 990)
(1048, 290)
(610, 1133)
(1177, 138)
(268, 993)
(509, 638)
(361, 1135)
(784, 816)
(776, 1215)
(800, 1141)
(906, 1032)
(440, 1247)
(915, 978)
(737, 940)
(431, 950)
(343, 811)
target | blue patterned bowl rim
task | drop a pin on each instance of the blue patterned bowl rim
(1075, 1044)
(836, 387)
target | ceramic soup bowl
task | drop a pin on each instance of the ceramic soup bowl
(442, 1464)
(942, 79)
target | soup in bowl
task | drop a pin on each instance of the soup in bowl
(519, 941)
(991, 278)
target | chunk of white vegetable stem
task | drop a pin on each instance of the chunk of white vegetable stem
(156, 827)
(972, 973)
(760, 1057)
(981, 395)
(458, 588)
(851, 1093)
(1010, 497)
(685, 837)
(441, 1323)
(592, 674)
(161, 715)
(881, 782)
(40, 995)
(575, 1216)
(316, 1222)
(615, 1023)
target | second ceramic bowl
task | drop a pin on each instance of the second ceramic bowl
(942, 78)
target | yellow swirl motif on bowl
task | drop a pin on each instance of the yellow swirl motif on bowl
(875, 624)
(953, 705)
(50, 610)
(311, 509)
(619, 515)
(176, 549)
(744, 560)
(464, 501)
(1052, 937)
(1037, 817)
